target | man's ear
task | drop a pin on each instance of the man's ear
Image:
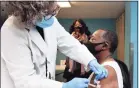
(105, 46)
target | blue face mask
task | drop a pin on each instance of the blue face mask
(45, 22)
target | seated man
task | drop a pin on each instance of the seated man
(102, 45)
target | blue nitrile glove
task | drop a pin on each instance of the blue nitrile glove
(76, 83)
(99, 70)
(45, 22)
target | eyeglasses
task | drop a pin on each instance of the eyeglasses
(53, 13)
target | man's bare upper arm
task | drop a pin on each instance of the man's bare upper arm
(111, 81)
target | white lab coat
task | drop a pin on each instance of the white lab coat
(25, 54)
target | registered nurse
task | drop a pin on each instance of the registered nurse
(30, 38)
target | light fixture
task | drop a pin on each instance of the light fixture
(64, 4)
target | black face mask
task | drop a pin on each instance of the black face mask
(91, 47)
(81, 29)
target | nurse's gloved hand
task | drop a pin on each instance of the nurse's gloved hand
(76, 83)
(99, 70)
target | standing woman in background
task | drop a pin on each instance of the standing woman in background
(79, 23)
(74, 69)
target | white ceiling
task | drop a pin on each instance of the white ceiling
(92, 10)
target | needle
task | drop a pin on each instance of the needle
(90, 77)
(92, 85)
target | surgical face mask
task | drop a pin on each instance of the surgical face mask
(45, 22)
(91, 47)
(48, 17)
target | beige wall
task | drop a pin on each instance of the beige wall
(120, 29)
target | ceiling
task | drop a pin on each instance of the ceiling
(92, 10)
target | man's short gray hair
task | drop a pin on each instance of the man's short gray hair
(31, 10)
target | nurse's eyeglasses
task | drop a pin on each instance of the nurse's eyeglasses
(53, 13)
